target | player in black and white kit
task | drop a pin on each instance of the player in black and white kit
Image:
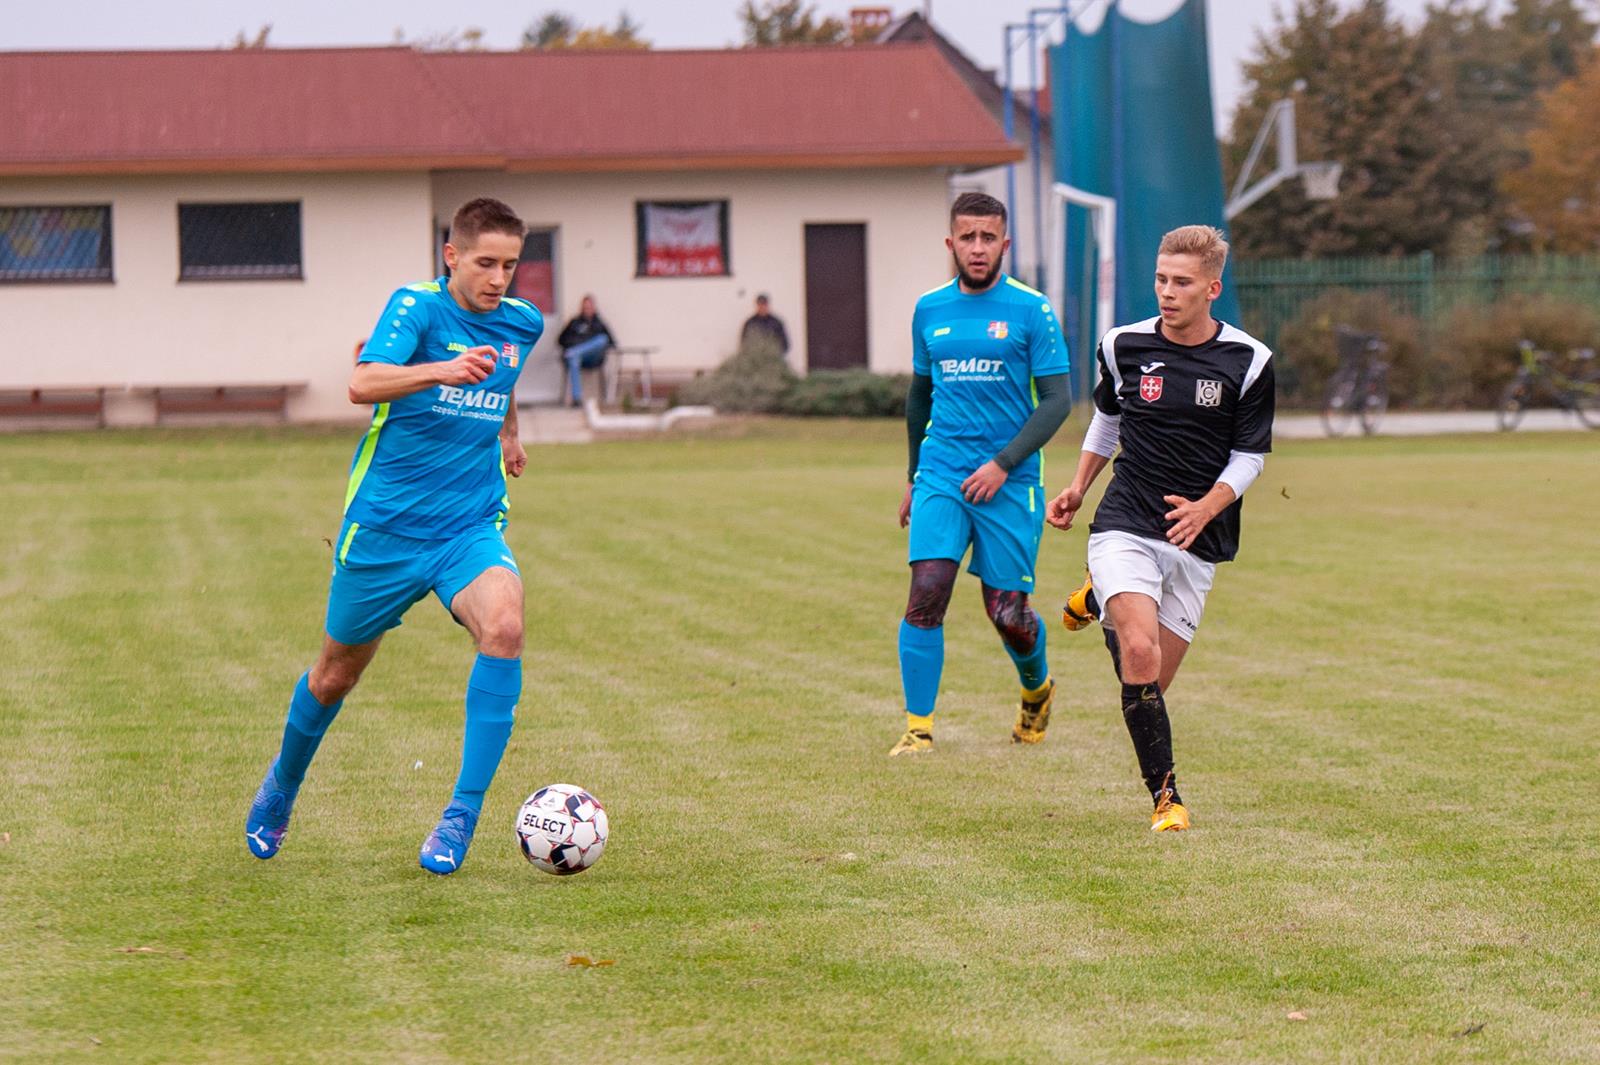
(1190, 400)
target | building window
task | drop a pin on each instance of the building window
(238, 241)
(682, 239)
(55, 244)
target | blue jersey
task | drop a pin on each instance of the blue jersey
(429, 467)
(983, 351)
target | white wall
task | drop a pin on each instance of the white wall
(695, 321)
(366, 234)
(363, 234)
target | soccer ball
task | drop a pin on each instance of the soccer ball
(562, 829)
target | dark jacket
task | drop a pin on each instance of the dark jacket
(769, 326)
(580, 329)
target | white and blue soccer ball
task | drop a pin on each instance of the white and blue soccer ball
(562, 829)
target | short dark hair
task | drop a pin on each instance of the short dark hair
(977, 205)
(484, 215)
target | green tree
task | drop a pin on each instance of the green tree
(556, 30)
(553, 29)
(780, 22)
(1360, 100)
(1489, 75)
(1557, 190)
(1427, 123)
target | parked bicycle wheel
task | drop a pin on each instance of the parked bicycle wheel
(1374, 401)
(1339, 408)
(1514, 401)
(1586, 400)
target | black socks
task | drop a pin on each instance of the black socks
(1151, 731)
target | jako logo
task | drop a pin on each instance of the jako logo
(460, 397)
(955, 366)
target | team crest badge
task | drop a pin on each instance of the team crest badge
(1208, 393)
(999, 330)
(508, 355)
(1149, 388)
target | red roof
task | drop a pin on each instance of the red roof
(282, 109)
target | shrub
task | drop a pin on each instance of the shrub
(1307, 353)
(847, 394)
(1477, 352)
(757, 380)
(752, 381)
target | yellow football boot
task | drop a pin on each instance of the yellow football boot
(1077, 613)
(1169, 816)
(1034, 716)
(918, 737)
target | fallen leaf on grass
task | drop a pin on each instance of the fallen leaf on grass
(585, 962)
(164, 952)
(1284, 491)
(1296, 1015)
(5, 837)
(1471, 1029)
(95, 1041)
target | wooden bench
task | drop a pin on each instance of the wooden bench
(187, 399)
(55, 401)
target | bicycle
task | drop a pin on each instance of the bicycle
(1578, 391)
(1360, 386)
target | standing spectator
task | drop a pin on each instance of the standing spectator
(764, 324)
(584, 343)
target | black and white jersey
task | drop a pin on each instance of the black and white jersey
(1183, 410)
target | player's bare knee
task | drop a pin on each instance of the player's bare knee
(1139, 657)
(932, 581)
(331, 681)
(502, 636)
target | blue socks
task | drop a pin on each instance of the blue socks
(308, 720)
(492, 694)
(921, 664)
(1032, 669)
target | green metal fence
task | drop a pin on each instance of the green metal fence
(1271, 291)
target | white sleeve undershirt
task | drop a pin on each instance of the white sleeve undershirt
(1105, 432)
(1242, 470)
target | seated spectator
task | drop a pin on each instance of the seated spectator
(765, 325)
(584, 343)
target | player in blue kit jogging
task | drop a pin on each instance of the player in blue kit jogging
(425, 511)
(990, 386)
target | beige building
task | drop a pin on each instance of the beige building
(236, 218)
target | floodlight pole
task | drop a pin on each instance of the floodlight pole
(1010, 110)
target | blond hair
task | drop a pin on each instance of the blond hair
(1205, 242)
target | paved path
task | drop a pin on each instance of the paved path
(1428, 423)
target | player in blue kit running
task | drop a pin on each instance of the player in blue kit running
(425, 511)
(990, 386)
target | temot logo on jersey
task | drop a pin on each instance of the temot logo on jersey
(955, 367)
(1149, 388)
(455, 402)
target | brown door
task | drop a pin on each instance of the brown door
(836, 296)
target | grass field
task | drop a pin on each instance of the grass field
(1387, 732)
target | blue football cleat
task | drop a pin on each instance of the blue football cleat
(268, 821)
(446, 846)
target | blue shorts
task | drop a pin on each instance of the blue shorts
(377, 576)
(1003, 533)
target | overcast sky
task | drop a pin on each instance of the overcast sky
(975, 25)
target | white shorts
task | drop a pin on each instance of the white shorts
(1176, 580)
